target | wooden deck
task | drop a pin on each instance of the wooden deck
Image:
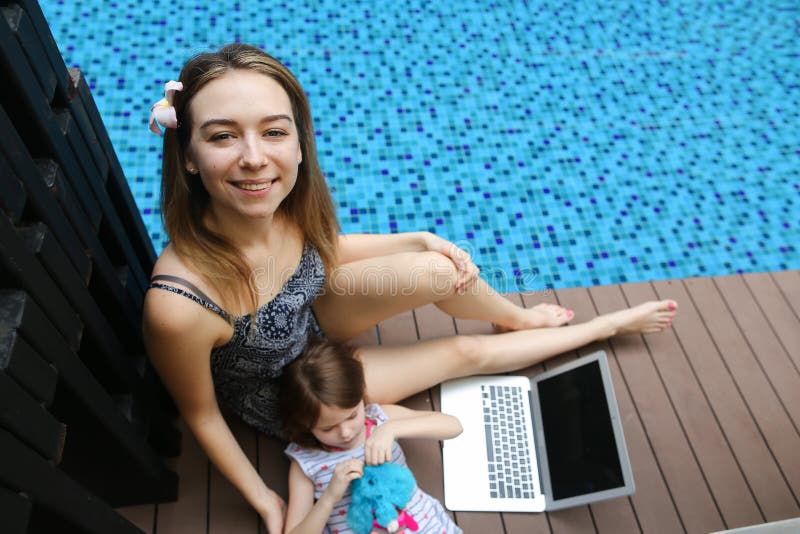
(710, 410)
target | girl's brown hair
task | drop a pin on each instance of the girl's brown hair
(184, 200)
(327, 373)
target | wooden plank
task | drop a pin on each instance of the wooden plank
(143, 516)
(117, 185)
(15, 509)
(78, 111)
(228, 509)
(25, 366)
(189, 513)
(49, 45)
(770, 415)
(789, 283)
(21, 415)
(93, 402)
(47, 209)
(26, 35)
(273, 465)
(765, 483)
(772, 357)
(618, 515)
(777, 312)
(712, 450)
(689, 490)
(26, 272)
(12, 194)
(25, 471)
(110, 361)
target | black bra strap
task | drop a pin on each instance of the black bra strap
(188, 284)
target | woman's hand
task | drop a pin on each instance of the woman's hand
(467, 270)
(272, 510)
(378, 447)
(344, 473)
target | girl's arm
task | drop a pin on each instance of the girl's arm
(179, 336)
(406, 423)
(304, 515)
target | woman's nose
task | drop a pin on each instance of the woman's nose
(252, 154)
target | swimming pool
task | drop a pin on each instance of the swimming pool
(562, 143)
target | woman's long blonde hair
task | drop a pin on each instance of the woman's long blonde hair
(184, 200)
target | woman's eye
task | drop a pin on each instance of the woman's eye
(274, 133)
(221, 136)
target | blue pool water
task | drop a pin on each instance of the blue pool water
(562, 143)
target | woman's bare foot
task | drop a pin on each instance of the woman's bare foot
(647, 318)
(540, 316)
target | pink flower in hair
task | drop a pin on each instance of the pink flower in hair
(162, 112)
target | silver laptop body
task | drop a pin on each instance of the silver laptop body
(534, 444)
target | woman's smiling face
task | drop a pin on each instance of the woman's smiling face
(244, 144)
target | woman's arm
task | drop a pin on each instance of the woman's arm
(304, 515)
(354, 247)
(406, 423)
(179, 336)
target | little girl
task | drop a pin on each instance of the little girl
(333, 432)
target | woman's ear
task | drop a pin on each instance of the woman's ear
(189, 165)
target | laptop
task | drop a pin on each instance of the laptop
(534, 444)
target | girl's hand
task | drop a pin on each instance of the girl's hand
(378, 448)
(272, 511)
(467, 270)
(344, 473)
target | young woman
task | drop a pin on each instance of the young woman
(255, 265)
(335, 430)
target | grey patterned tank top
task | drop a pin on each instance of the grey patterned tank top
(246, 369)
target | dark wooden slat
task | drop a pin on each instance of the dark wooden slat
(23, 313)
(21, 415)
(777, 365)
(28, 39)
(615, 516)
(75, 106)
(273, 465)
(25, 366)
(111, 361)
(28, 273)
(23, 470)
(106, 287)
(117, 184)
(689, 490)
(789, 283)
(15, 509)
(777, 312)
(49, 45)
(142, 516)
(12, 194)
(702, 428)
(33, 119)
(770, 416)
(765, 482)
(228, 509)
(189, 514)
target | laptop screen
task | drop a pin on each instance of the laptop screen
(581, 449)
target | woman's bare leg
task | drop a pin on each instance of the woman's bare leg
(394, 373)
(363, 293)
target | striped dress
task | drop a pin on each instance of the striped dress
(318, 465)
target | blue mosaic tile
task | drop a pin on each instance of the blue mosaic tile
(563, 144)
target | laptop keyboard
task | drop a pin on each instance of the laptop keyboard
(507, 447)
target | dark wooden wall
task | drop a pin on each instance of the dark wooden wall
(84, 423)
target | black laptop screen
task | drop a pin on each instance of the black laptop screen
(581, 448)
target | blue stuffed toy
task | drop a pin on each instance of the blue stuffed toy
(379, 497)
